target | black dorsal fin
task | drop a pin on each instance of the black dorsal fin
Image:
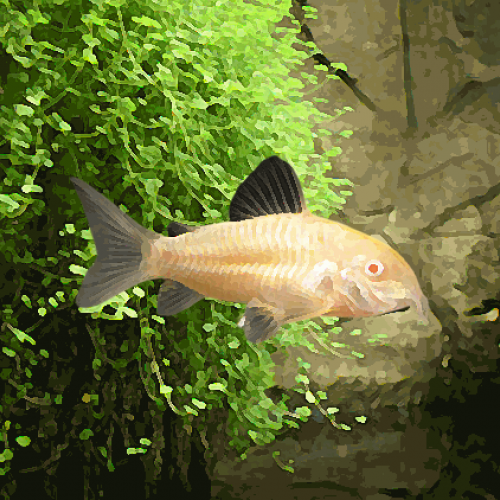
(176, 229)
(272, 188)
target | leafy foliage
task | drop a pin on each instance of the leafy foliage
(164, 107)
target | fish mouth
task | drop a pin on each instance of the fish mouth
(401, 309)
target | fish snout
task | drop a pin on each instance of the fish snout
(394, 296)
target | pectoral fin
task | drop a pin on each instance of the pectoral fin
(174, 297)
(260, 321)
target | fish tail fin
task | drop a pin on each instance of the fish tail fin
(123, 247)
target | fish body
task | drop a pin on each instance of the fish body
(285, 263)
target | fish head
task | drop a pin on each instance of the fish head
(371, 281)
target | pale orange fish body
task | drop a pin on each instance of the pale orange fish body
(275, 256)
(269, 258)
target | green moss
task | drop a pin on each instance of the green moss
(165, 113)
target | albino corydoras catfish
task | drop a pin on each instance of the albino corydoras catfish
(274, 255)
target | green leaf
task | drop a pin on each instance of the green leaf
(23, 110)
(128, 311)
(217, 386)
(9, 201)
(321, 394)
(89, 56)
(200, 404)
(64, 126)
(310, 397)
(6, 455)
(23, 441)
(198, 103)
(301, 379)
(165, 389)
(78, 269)
(135, 451)
(21, 336)
(146, 21)
(303, 411)
(38, 17)
(86, 434)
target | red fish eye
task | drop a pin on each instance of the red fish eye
(374, 268)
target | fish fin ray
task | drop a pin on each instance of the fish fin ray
(123, 246)
(176, 229)
(260, 321)
(272, 188)
(175, 297)
(259, 324)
